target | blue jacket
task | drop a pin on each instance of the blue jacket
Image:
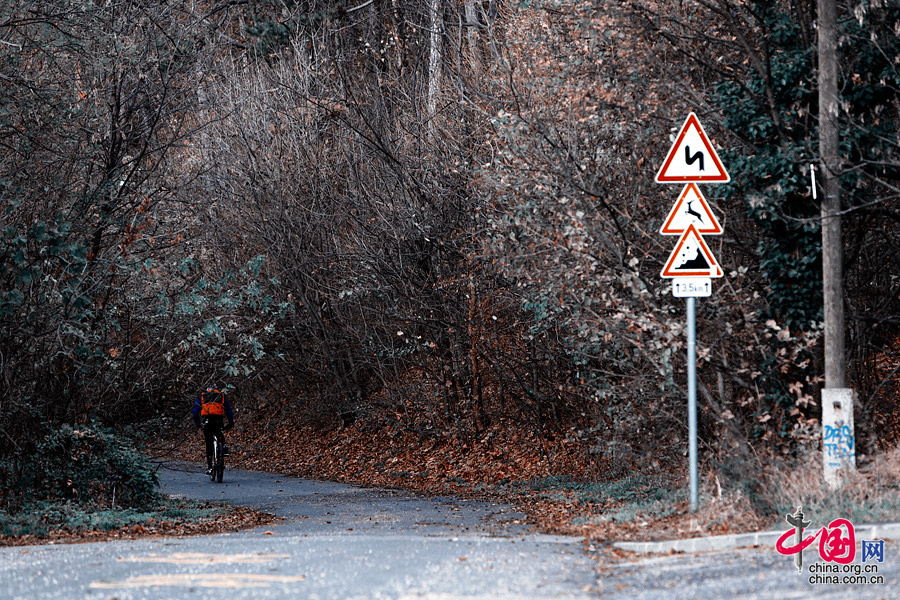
(228, 412)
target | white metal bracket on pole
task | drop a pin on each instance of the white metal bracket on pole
(812, 177)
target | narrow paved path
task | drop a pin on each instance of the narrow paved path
(342, 542)
(334, 542)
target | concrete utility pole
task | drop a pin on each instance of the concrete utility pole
(832, 248)
(837, 400)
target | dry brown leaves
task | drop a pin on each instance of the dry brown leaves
(489, 467)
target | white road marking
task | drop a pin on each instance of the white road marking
(207, 580)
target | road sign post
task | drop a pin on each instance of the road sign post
(692, 397)
(691, 264)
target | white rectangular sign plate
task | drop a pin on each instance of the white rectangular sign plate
(692, 287)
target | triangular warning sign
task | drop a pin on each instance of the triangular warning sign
(691, 258)
(691, 208)
(692, 158)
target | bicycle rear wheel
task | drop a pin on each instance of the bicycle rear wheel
(215, 460)
(219, 466)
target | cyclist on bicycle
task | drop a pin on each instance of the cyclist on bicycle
(210, 410)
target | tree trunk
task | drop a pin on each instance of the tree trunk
(472, 33)
(474, 338)
(436, 25)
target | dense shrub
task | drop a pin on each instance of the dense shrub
(87, 465)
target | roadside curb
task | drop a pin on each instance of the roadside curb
(743, 540)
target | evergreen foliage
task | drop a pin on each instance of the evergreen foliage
(90, 466)
(773, 113)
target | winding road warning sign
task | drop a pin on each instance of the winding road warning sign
(691, 208)
(692, 158)
(691, 257)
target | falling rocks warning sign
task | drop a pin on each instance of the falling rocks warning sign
(691, 257)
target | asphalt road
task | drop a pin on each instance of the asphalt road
(335, 542)
(342, 542)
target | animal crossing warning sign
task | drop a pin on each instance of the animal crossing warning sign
(691, 257)
(691, 208)
(692, 158)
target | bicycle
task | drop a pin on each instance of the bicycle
(218, 465)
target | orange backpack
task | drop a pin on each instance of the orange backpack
(212, 402)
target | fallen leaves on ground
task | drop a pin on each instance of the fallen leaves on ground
(502, 465)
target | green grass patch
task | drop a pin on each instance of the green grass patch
(41, 519)
(622, 500)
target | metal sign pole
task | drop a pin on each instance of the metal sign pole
(692, 396)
